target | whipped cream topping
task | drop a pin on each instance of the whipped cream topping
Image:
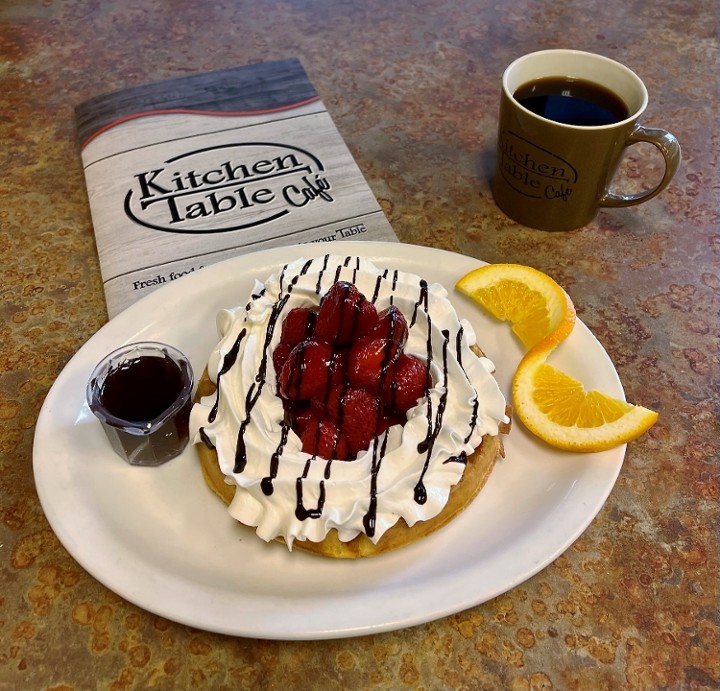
(406, 473)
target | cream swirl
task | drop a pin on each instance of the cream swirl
(408, 470)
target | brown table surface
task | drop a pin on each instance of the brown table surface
(413, 88)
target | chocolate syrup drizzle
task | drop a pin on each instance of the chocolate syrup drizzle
(473, 418)
(205, 439)
(476, 402)
(422, 300)
(302, 513)
(458, 346)
(461, 458)
(256, 387)
(433, 428)
(266, 484)
(228, 362)
(321, 273)
(370, 518)
(379, 446)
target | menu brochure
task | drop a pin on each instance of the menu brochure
(186, 172)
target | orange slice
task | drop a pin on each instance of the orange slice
(551, 404)
(535, 305)
(556, 408)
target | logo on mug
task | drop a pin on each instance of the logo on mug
(229, 187)
(533, 171)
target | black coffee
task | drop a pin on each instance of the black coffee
(572, 101)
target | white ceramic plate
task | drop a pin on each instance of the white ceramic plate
(159, 538)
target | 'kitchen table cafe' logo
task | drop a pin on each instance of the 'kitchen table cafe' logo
(533, 171)
(227, 187)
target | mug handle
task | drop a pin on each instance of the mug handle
(668, 146)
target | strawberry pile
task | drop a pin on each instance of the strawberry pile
(342, 374)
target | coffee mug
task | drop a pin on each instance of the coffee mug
(565, 118)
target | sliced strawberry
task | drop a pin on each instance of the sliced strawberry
(280, 356)
(298, 325)
(344, 314)
(366, 319)
(298, 414)
(407, 381)
(389, 420)
(323, 438)
(391, 324)
(328, 406)
(361, 414)
(338, 368)
(368, 362)
(306, 371)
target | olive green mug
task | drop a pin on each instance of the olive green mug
(566, 116)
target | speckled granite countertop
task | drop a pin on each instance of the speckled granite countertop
(413, 87)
